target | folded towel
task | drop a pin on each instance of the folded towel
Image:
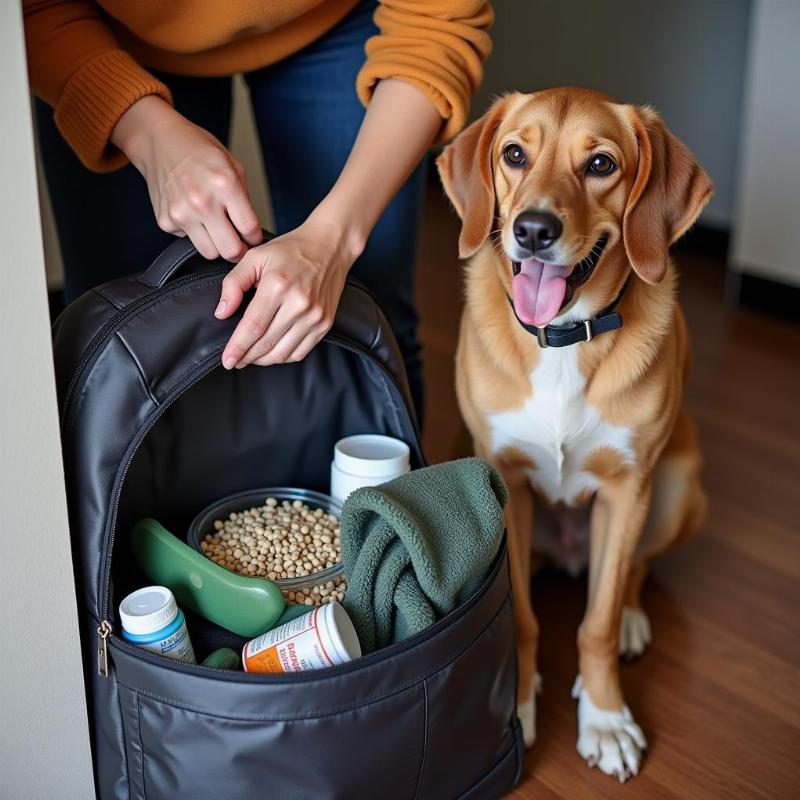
(415, 547)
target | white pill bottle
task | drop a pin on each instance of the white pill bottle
(151, 619)
(324, 637)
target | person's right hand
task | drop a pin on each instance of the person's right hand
(198, 189)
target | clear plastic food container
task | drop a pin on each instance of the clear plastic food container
(203, 524)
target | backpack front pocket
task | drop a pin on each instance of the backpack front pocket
(197, 752)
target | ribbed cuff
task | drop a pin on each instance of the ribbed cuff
(94, 99)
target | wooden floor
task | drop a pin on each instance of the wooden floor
(718, 692)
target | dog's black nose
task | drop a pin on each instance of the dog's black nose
(537, 230)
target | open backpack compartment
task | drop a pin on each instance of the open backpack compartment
(153, 426)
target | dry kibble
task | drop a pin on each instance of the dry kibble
(280, 540)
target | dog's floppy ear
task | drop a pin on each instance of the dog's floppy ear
(668, 193)
(465, 167)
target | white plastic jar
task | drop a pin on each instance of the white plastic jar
(151, 619)
(366, 460)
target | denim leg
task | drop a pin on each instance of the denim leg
(105, 221)
(308, 116)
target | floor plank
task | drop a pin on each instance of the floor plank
(718, 692)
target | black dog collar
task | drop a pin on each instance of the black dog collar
(574, 332)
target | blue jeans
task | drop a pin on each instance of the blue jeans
(308, 116)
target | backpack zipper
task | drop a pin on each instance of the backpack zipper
(104, 630)
(118, 319)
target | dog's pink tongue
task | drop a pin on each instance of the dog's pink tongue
(539, 291)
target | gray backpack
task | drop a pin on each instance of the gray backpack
(152, 426)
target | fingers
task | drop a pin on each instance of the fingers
(299, 341)
(217, 202)
(210, 229)
(237, 218)
(256, 320)
(201, 240)
(285, 317)
(241, 211)
(279, 325)
(295, 318)
(225, 237)
(294, 346)
(238, 281)
(308, 343)
(298, 288)
(206, 206)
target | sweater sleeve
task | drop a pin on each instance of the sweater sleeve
(439, 46)
(77, 66)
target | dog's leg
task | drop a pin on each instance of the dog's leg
(677, 510)
(634, 631)
(519, 523)
(607, 734)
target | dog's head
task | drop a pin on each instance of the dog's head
(576, 190)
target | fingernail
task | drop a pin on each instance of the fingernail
(223, 304)
(229, 363)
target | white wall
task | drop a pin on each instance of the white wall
(245, 146)
(684, 56)
(44, 743)
(767, 230)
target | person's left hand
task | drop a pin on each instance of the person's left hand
(299, 278)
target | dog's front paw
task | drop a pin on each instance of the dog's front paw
(610, 740)
(634, 633)
(526, 711)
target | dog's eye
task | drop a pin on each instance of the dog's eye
(600, 164)
(514, 155)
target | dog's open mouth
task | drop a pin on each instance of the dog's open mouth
(585, 267)
(541, 290)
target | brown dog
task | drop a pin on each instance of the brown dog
(569, 202)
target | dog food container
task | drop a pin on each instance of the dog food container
(203, 524)
(366, 460)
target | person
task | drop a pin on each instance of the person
(144, 90)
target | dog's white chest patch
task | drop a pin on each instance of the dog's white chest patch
(558, 429)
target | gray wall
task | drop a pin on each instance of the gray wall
(767, 232)
(686, 57)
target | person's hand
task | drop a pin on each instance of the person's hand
(196, 186)
(299, 278)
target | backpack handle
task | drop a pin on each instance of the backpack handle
(170, 260)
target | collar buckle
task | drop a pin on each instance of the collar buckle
(587, 323)
(541, 337)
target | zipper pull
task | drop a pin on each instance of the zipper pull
(103, 632)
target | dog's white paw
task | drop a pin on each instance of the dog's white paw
(634, 633)
(610, 740)
(526, 711)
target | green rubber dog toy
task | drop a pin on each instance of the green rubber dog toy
(241, 604)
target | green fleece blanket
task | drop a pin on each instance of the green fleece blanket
(415, 547)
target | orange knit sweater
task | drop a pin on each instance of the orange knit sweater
(89, 59)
